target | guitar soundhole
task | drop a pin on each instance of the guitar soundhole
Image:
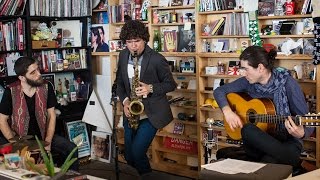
(251, 116)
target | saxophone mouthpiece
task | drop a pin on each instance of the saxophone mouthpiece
(135, 54)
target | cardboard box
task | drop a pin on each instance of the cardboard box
(43, 44)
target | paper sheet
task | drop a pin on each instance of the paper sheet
(233, 166)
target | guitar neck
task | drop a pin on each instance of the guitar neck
(270, 118)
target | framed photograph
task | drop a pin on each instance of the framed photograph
(68, 42)
(49, 78)
(100, 37)
(101, 146)
(62, 82)
(78, 134)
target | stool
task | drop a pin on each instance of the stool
(270, 171)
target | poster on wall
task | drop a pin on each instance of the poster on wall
(78, 134)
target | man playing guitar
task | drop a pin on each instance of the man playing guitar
(261, 80)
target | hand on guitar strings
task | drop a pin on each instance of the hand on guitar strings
(293, 129)
(232, 118)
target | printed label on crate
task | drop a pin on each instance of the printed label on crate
(180, 144)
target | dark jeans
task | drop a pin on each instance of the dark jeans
(137, 144)
(260, 146)
(60, 148)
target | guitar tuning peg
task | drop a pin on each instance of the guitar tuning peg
(318, 112)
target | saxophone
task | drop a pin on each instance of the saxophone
(136, 107)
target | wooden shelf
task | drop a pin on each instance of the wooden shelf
(219, 55)
(105, 54)
(170, 24)
(187, 107)
(210, 109)
(174, 7)
(294, 57)
(206, 92)
(307, 81)
(122, 23)
(183, 74)
(295, 16)
(221, 76)
(287, 36)
(99, 10)
(185, 90)
(179, 54)
(223, 36)
(220, 12)
(193, 123)
(308, 158)
(166, 134)
(162, 149)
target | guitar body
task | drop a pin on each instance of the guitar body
(243, 105)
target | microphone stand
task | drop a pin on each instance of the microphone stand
(115, 147)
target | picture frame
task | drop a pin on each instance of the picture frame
(68, 42)
(62, 82)
(50, 78)
(101, 146)
(78, 134)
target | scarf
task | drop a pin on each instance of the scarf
(276, 86)
(20, 115)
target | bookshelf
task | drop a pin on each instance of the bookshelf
(55, 57)
(204, 59)
(176, 162)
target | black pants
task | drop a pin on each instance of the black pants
(262, 147)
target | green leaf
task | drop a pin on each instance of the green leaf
(69, 157)
(44, 155)
(67, 165)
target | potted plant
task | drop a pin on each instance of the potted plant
(48, 161)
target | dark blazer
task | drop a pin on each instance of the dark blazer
(154, 70)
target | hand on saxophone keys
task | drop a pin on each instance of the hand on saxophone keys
(143, 90)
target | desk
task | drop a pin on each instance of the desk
(270, 171)
(306, 176)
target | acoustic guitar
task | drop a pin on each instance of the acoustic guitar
(261, 112)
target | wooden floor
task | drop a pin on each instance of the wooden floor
(107, 171)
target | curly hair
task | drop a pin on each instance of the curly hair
(133, 29)
(256, 55)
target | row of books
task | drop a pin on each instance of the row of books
(231, 24)
(12, 7)
(60, 8)
(117, 13)
(218, 5)
(12, 35)
(61, 60)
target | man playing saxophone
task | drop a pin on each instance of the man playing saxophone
(143, 79)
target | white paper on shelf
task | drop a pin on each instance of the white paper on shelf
(233, 166)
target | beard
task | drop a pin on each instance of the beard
(35, 83)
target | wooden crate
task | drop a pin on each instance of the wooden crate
(43, 44)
